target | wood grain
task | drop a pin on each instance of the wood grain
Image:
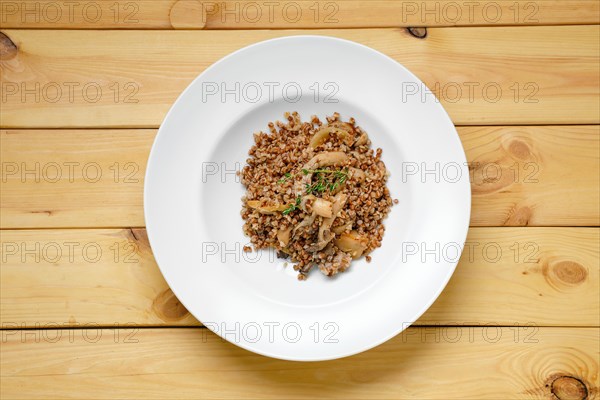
(506, 276)
(52, 78)
(196, 14)
(193, 363)
(515, 276)
(73, 178)
(534, 175)
(520, 317)
(84, 276)
(521, 175)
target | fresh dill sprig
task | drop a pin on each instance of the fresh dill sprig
(325, 180)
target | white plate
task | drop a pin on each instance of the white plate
(192, 199)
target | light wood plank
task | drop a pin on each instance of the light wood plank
(192, 363)
(196, 14)
(520, 276)
(521, 175)
(84, 276)
(52, 78)
(82, 178)
(507, 276)
(542, 176)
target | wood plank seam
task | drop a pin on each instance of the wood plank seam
(184, 363)
(301, 14)
(506, 276)
(520, 176)
(505, 85)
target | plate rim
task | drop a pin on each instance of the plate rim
(152, 156)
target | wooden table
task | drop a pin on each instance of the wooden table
(85, 312)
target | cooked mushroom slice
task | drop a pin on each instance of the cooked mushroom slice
(313, 204)
(325, 235)
(362, 140)
(352, 243)
(306, 222)
(343, 130)
(338, 203)
(267, 209)
(344, 125)
(323, 208)
(342, 228)
(357, 174)
(283, 235)
(324, 159)
(306, 202)
(321, 136)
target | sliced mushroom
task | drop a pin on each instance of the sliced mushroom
(342, 228)
(306, 202)
(357, 174)
(283, 235)
(344, 125)
(323, 208)
(352, 243)
(320, 136)
(267, 209)
(362, 140)
(325, 235)
(306, 222)
(326, 159)
(323, 134)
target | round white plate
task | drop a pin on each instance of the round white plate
(192, 199)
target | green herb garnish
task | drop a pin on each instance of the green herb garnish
(325, 180)
(293, 207)
(285, 177)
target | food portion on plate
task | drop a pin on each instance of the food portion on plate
(316, 192)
